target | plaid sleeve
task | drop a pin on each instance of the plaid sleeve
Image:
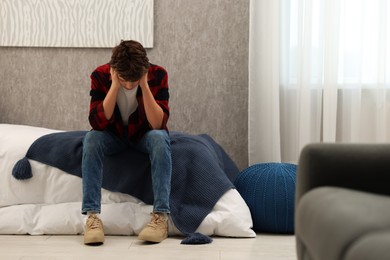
(160, 90)
(98, 92)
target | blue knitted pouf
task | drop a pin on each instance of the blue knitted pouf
(269, 191)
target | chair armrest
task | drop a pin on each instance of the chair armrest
(364, 167)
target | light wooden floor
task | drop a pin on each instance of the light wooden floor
(267, 247)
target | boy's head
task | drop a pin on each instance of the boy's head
(129, 60)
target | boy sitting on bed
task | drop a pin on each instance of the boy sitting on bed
(129, 108)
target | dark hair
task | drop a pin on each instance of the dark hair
(129, 60)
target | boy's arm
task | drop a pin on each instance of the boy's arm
(154, 112)
(110, 99)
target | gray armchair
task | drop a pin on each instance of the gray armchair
(342, 202)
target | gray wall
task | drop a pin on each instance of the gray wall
(203, 44)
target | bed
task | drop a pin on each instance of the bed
(49, 202)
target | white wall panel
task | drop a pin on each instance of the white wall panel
(75, 23)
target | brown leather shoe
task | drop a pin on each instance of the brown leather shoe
(157, 230)
(94, 234)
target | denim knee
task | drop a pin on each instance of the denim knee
(92, 139)
(159, 140)
(157, 136)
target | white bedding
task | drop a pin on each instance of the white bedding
(50, 202)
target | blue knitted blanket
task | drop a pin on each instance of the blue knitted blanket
(201, 172)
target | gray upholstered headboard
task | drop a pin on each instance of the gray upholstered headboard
(202, 44)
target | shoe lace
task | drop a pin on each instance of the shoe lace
(93, 222)
(156, 221)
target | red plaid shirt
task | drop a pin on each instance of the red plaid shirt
(138, 124)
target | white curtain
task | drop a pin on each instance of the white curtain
(319, 71)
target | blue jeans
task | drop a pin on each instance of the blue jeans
(97, 144)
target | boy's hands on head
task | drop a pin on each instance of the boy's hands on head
(143, 82)
(115, 80)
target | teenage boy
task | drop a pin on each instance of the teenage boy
(129, 108)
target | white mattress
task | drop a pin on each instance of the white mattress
(50, 202)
